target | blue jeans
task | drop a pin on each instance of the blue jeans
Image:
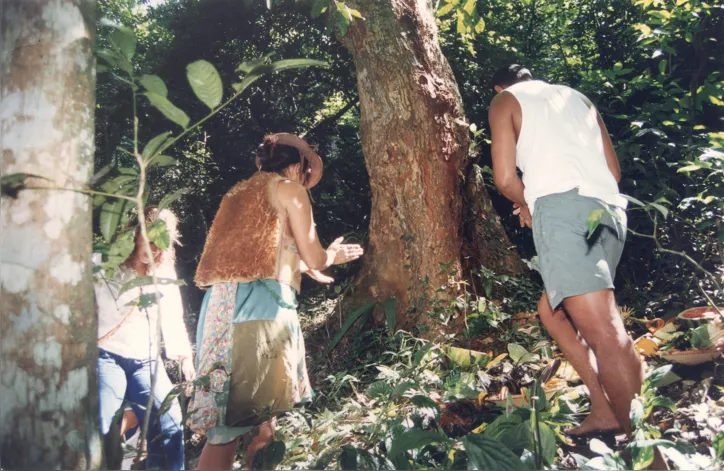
(128, 380)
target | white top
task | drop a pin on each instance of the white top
(560, 146)
(136, 338)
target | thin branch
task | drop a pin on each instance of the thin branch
(152, 263)
(80, 190)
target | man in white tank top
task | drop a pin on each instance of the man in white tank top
(558, 140)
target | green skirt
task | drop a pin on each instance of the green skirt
(250, 359)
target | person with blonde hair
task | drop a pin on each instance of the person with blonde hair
(249, 339)
(128, 349)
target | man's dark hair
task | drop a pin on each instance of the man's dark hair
(510, 75)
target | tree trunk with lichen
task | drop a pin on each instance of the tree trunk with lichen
(48, 392)
(416, 141)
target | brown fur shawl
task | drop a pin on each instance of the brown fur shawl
(244, 241)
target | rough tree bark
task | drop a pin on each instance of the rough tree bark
(48, 392)
(415, 140)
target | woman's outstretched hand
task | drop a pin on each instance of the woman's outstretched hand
(320, 277)
(344, 253)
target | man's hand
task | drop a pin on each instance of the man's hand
(319, 277)
(187, 368)
(523, 213)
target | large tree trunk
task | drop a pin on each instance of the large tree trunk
(48, 391)
(415, 142)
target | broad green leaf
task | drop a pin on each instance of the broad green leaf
(257, 71)
(445, 9)
(140, 281)
(248, 67)
(351, 319)
(286, 64)
(154, 144)
(593, 221)
(379, 390)
(244, 84)
(701, 336)
(158, 234)
(111, 57)
(642, 457)
(637, 413)
(402, 388)
(487, 453)
(661, 376)
(319, 7)
(154, 84)
(501, 424)
(663, 402)
(516, 352)
(390, 306)
(660, 208)
(205, 82)
(517, 437)
(168, 109)
(469, 7)
(110, 216)
(650, 443)
(125, 40)
(414, 439)
(548, 442)
(462, 26)
(480, 26)
(635, 201)
(425, 403)
(717, 444)
(598, 447)
(341, 18)
(662, 66)
(607, 462)
(102, 173)
(168, 199)
(145, 300)
(161, 160)
(355, 13)
(694, 166)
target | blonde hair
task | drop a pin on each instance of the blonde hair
(166, 259)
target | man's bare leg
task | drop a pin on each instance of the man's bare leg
(218, 457)
(261, 437)
(620, 373)
(581, 358)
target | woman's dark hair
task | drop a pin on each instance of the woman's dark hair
(510, 75)
(275, 158)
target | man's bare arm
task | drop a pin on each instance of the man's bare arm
(505, 175)
(608, 150)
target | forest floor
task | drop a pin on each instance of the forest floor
(399, 402)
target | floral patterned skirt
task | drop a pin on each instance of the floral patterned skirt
(250, 359)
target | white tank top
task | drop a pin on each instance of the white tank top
(560, 147)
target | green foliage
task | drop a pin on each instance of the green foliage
(206, 83)
(488, 453)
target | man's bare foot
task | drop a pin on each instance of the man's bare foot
(595, 424)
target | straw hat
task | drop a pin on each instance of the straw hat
(306, 153)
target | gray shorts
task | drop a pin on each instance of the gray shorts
(571, 264)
